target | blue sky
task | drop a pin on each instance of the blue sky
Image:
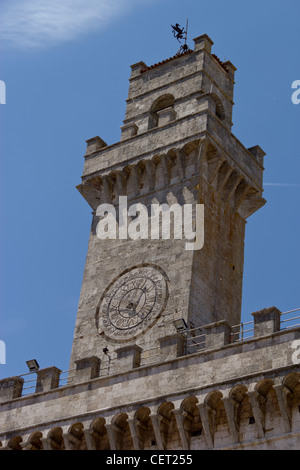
(66, 66)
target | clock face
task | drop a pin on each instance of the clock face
(132, 303)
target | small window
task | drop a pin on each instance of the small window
(163, 102)
(220, 112)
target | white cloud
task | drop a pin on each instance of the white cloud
(42, 23)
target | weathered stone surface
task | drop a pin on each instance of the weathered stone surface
(137, 381)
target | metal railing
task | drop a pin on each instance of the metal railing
(245, 330)
(195, 341)
(195, 338)
(29, 386)
(242, 332)
(294, 321)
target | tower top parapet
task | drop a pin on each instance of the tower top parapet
(184, 79)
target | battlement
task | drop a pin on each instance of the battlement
(252, 387)
(177, 84)
(160, 360)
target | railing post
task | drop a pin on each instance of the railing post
(266, 321)
(11, 388)
(172, 346)
(47, 379)
(217, 334)
(87, 368)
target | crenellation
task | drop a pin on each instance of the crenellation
(159, 360)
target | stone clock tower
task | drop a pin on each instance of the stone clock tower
(159, 361)
(176, 148)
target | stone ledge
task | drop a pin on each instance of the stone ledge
(234, 147)
(280, 371)
(172, 364)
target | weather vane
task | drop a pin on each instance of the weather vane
(180, 34)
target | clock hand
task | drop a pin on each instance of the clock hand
(135, 304)
(138, 301)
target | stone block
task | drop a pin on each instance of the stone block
(129, 357)
(217, 334)
(258, 153)
(94, 145)
(266, 321)
(87, 368)
(11, 388)
(203, 43)
(137, 68)
(172, 346)
(129, 130)
(166, 115)
(47, 379)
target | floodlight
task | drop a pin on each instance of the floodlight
(180, 325)
(33, 365)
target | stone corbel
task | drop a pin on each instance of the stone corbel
(166, 165)
(89, 439)
(251, 203)
(120, 182)
(46, 443)
(132, 422)
(282, 393)
(112, 433)
(203, 144)
(133, 183)
(26, 446)
(71, 441)
(179, 164)
(179, 416)
(241, 193)
(149, 183)
(257, 413)
(156, 423)
(207, 423)
(230, 406)
(231, 186)
(106, 190)
(223, 176)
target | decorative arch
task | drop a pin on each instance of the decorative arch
(144, 428)
(292, 382)
(76, 437)
(192, 423)
(168, 426)
(55, 438)
(15, 443)
(122, 432)
(35, 441)
(163, 102)
(99, 435)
